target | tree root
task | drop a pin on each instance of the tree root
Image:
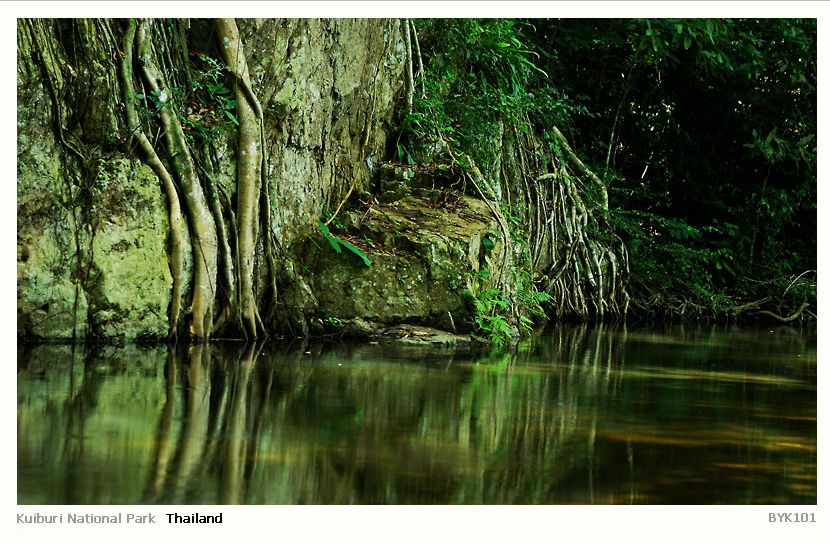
(779, 318)
(201, 219)
(582, 168)
(475, 176)
(178, 227)
(409, 71)
(226, 259)
(250, 171)
(585, 275)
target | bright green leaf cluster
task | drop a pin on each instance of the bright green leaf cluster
(338, 244)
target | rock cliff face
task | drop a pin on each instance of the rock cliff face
(329, 88)
(91, 255)
(93, 225)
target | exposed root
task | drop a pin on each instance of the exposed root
(582, 168)
(779, 318)
(475, 176)
(340, 205)
(420, 74)
(410, 78)
(178, 227)
(582, 267)
(201, 219)
(226, 259)
(250, 176)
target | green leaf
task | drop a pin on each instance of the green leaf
(355, 250)
(487, 242)
(220, 88)
(331, 239)
(336, 243)
(231, 117)
(687, 41)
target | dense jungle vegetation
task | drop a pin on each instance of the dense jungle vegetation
(587, 169)
(702, 131)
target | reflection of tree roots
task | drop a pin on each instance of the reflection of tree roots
(165, 433)
(234, 465)
(213, 426)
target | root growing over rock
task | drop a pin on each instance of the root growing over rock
(579, 262)
(178, 227)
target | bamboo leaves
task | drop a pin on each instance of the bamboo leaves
(337, 244)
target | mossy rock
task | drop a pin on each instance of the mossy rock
(131, 281)
(426, 256)
(109, 279)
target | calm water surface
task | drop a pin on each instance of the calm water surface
(680, 415)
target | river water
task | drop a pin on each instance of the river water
(579, 415)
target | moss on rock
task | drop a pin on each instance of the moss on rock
(427, 255)
(108, 279)
(130, 281)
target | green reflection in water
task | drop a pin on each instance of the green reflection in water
(584, 415)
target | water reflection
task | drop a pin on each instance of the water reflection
(584, 415)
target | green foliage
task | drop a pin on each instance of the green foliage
(530, 299)
(713, 157)
(490, 307)
(210, 105)
(704, 130)
(339, 244)
(333, 321)
(494, 310)
(670, 255)
(331, 219)
(478, 75)
(488, 242)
